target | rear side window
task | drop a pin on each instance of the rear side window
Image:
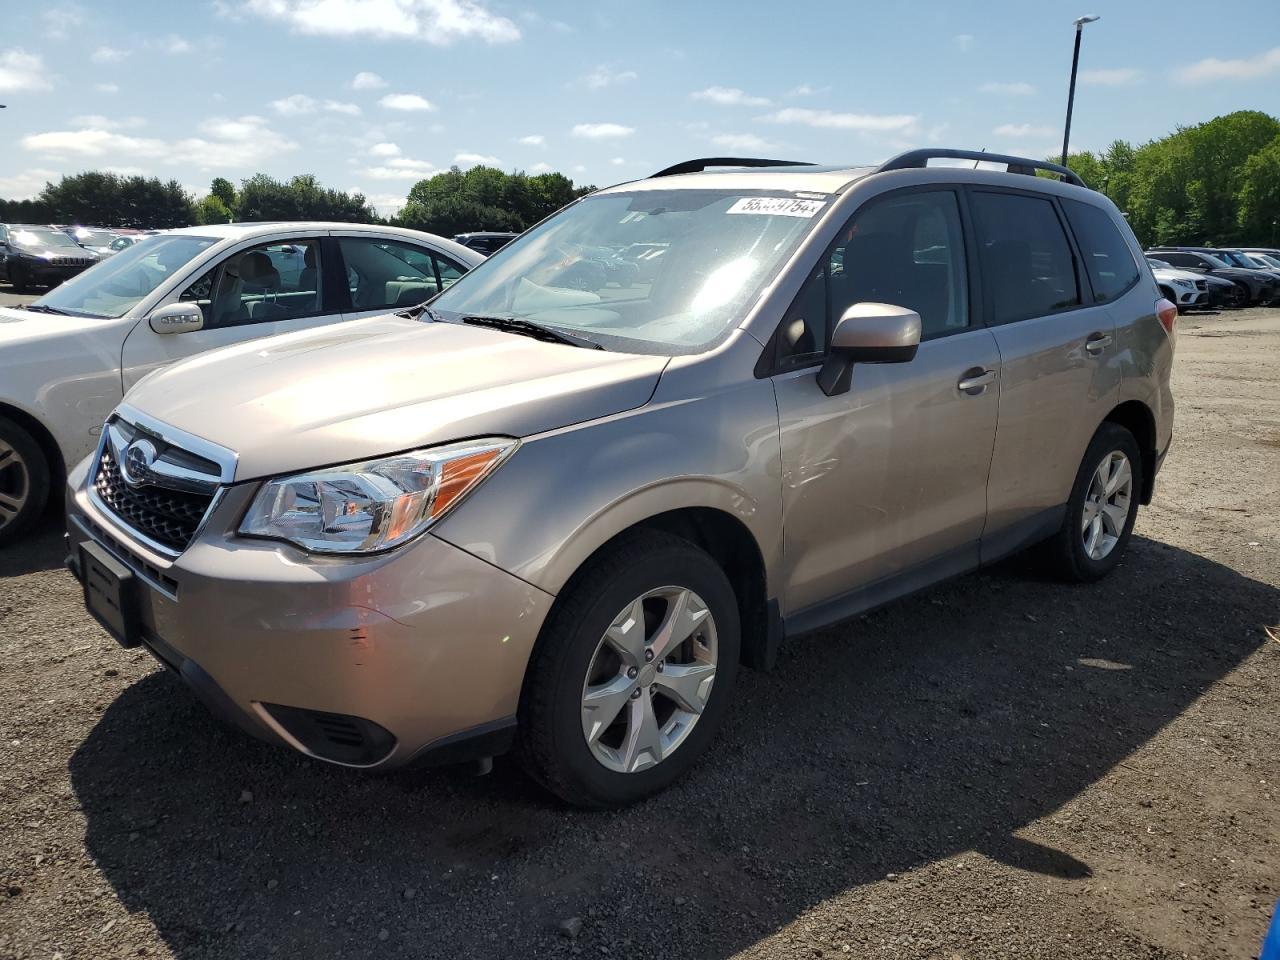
(1026, 259)
(1106, 255)
(385, 274)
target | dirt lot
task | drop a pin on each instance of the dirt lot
(1001, 767)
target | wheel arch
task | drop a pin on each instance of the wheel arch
(1136, 417)
(43, 438)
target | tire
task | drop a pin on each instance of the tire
(1239, 296)
(572, 653)
(18, 278)
(1068, 551)
(24, 481)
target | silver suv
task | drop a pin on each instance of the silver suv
(555, 507)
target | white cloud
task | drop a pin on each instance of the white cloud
(437, 22)
(20, 70)
(465, 159)
(729, 97)
(337, 106)
(533, 140)
(742, 141)
(406, 101)
(540, 168)
(24, 186)
(106, 87)
(1203, 71)
(963, 42)
(295, 105)
(1014, 89)
(175, 44)
(385, 203)
(62, 19)
(108, 55)
(400, 168)
(384, 150)
(601, 131)
(1023, 130)
(367, 81)
(806, 90)
(617, 161)
(828, 119)
(235, 143)
(1116, 77)
(602, 76)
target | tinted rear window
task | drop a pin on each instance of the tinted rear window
(1026, 259)
(1111, 268)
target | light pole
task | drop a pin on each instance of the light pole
(1071, 91)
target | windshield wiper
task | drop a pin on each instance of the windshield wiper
(41, 308)
(528, 328)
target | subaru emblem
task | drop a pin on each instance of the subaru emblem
(135, 465)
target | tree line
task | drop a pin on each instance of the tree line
(1215, 183)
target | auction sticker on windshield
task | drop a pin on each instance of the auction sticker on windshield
(777, 206)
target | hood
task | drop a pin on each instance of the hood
(1173, 273)
(18, 325)
(1260, 275)
(371, 387)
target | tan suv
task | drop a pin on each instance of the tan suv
(556, 506)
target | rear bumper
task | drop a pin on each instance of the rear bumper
(414, 656)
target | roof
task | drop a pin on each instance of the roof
(240, 231)
(830, 179)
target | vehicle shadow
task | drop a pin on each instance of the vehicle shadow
(39, 549)
(941, 724)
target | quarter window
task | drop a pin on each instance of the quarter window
(1027, 262)
(1111, 268)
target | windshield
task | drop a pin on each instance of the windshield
(38, 238)
(95, 238)
(1159, 264)
(646, 271)
(1218, 259)
(113, 287)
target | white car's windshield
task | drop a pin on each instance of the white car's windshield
(112, 288)
(94, 238)
(40, 239)
(645, 271)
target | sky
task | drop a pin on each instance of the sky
(373, 95)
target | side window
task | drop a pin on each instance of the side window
(802, 335)
(275, 281)
(1106, 255)
(387, 273)
(448, 271)
(1026, 260)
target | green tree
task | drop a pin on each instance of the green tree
(1259, 196)
(224, 190)
(212, 210)
(484, 198)
(301, 198)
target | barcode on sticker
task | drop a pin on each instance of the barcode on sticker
(777, 206)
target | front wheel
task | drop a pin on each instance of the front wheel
(632, 674)
(18, 278)
(1238, 296)
(24, 481)
(1102, 508)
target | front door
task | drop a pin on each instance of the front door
(886, 484)
(257, 291)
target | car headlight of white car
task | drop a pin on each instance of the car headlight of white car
(375, 504)
(1183, 283)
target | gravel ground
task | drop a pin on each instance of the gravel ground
(1000, 767)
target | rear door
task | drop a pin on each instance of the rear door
(258, 290)
(1059, 366)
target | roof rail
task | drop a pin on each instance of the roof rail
(697, 166)
(1025, 165)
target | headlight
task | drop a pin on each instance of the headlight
(374, 505)
(1184, 283)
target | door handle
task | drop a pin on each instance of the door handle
(975, 381)
(1097, 342)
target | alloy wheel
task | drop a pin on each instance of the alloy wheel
(15, 483)
(1107, 503)
(649, 679)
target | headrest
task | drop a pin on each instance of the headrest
(257, 266)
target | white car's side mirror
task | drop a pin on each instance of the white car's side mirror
(177, 318)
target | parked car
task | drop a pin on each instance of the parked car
(1272, 252)
(124, 242)
(40, 256)
(67, 358)
(485, 242)
(1252, 286)
(1264, 261)
(1187, 289)
(1239, 259)
(535, 513)
(97, 240)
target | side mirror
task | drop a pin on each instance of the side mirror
(177, 318)
(868, 333)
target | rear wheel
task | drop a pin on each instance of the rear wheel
(24, 481)
(1238, 296)
(633, 673)
(1102, 508)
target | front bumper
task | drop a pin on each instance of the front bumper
(371, 662)
(41, 271)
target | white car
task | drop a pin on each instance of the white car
(1187, 290)
(67, 359)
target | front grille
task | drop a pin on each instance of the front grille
(70, 261)
(169, 517)
(1202, 285)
